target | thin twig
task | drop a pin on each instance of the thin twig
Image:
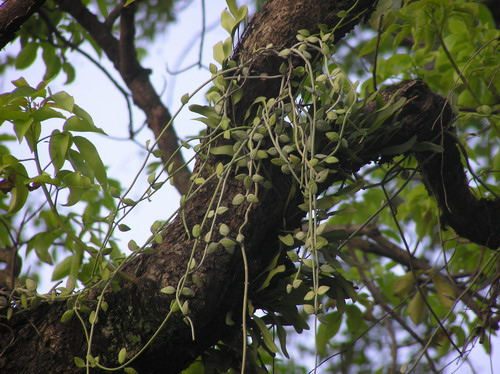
(379, 33)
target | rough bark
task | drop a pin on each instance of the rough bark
(477, 219)
(38, 342)
(13, 14)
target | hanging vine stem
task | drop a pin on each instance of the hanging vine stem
(303, 139)
(150, 151)
(189, 268)
(69, 232)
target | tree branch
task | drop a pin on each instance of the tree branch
(381, 246)
(475, 219)
(129, 64)
(13, 14)
(123, 56)
(377, 297)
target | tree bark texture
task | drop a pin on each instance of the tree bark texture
(36, 341)
(13, 14)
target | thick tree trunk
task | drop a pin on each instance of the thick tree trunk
(35, 341)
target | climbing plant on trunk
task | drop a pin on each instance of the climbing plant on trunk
(271, 234)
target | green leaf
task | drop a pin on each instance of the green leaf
(396, 64)
(224, 229)
(222, 50)
(279, 269)
(66, 317)
(400, 148)
(21, 82)
(21, 127)
(328, 328)
(69, 70)
(405, 30)
(52, 61)
(122, 355)
(238, 199)
(185, 99)
(123, 227)
(308, 309)
(79, 362)
(188, 292)
(347, 287)
(266, 335)
(222, 150)
(309, 296)
(91, 156)
(323, 289)
(41, 242)
(27, 55)
(79, 164)
(219, 169)
(354, 319)
(169, 290)
(403, 285)
(417, 310)
(228, 244)
(251, 198)
(368, 47)
(18, 177)
(227, 22)
(228, 47)
(384, 113)
(45, 113)
(132, 245)
(196, 230)
(62, 269)
(287, 240)
(81, 113)
(445, 291)
(59, 144)
(207, 121)
(13, 114)
(93, 317)
(427, 147)
(64, 101)
(31, 284)
(233, 7)
(242, 14)
(77, 184)
(75, 123)
(332, 136)
(74, 270)
(204, 110)
(222, 209)
(327, 202)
